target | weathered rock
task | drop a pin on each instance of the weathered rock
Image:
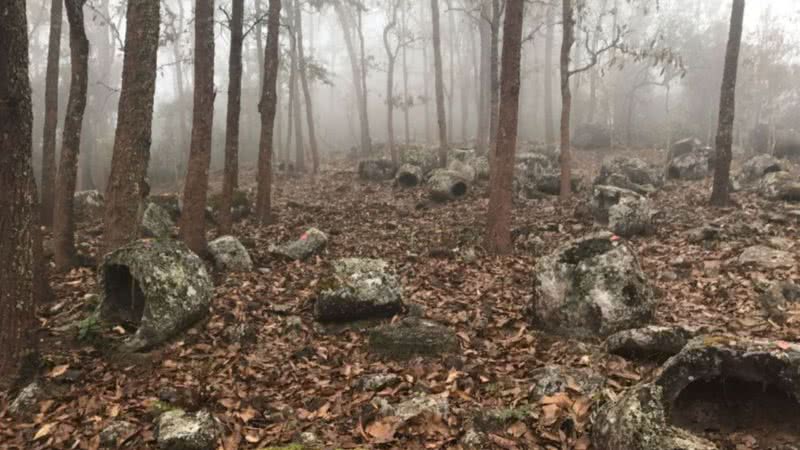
(412, 337)
(465, 169)
(538, 174)
(376, 170)
(379, 381)
(604, 197)
(159, 287)
(757, 167)
(649, 343)
(714, 383)
(552, 379)
(156, 222)
(447, 185)
(630, 173)
(481, 166)
(685, 146)
(171, 203)
(89, 205)
(422, 157)
(408, 176)
(631, 217)
(689, 166)
(359, 289)
(704, 233)
(460, 154)
(591, 287)
(311, 242)
(766, 258)
(421, 405)
(27, 401)
(780, 186)
(178, 430)
(240, 204)
(230, 255)
(112, 436)
(777, 298)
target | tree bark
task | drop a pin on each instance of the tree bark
(367, 140)
(406, 105)
(267, 107)
(568, 21)
(720, 195)
(193, 216)
(51, 113)
(127, 187)
(312, 135)
(391, 56)
(346, 22)
(484, 30)
(231, 172)
(494, 80)
(437, 63)
(299, 150)
(498, 237)
(64, 217)
(549, 129)
(18, 202)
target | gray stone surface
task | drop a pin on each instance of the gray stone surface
(409, 176)
(755, 168)
(591, 287)
(429, 405)
(379, 381)
(631, 217)
(447, 185)
(690, 166)
(649, 343)
(764, 257)
(156, 222)
(778, 297)
(412, 337)
(230, 255)
(311, 242)
(604, 197)
(115, 432)
(630, 173)
(27, 400)
(159, 286)
(89, 205)
(552, 379)
(359, 289)
(780, 186)
(179, 430)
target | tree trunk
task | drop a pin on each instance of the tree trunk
(485, 31)
(183, 130)
(549, 129)
(366, 139)
(127, 188)
(18, 202)
(720, 195)
(299, 154)
(230, 176)
(267, 107)
(391, 56)
(451, 47)
(64, 217)
(51, 113)
(498, 237)
(437, 63)
(259, 46)
(406, 105)
(312, 135)
(193, 216)
(568, 22)
(494, 80)
(346, 22)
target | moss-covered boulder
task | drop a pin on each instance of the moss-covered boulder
(179, 430)
(359, 289)
(649, 343)
(690, 166)
(781, 186)
(408, 176)
(412, 337)
(552, 379)
(604, 197)
(422, 157)
(630, 173)
(170, 202)
(715, 386)
(157, 287)
(230, 255)
(310, 243)
(447, 185)
(631, 217)
(755, 168)
(156, 222)
(591, 287)
(89, 205)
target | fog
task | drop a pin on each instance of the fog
(660, 83)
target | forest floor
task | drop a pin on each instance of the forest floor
(293, 377)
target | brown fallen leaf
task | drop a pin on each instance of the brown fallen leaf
(58, 371)
(383, 430)
(44, 431)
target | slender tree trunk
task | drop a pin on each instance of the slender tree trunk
(549, 128)
(267, 107)
(568, 21)
(127, 187)
(437, 62)
(720, 195)
(426, 84)
(406, 105)
(365, 138)
(51, 113)
(299, 154)
(391, 56)
(466, 88)
(451, 47)
(230, 175)
(498, 237)
(259, 45)
(483, 79)
(193, 217)
(494, 77)
(290, 105)
(183, 129)
(312, 135)
(64, 217)
(346, 22)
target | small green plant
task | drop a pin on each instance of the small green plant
(89, 328)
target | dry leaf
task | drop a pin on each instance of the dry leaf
(44, 431)
(383, 430)
(58, 371)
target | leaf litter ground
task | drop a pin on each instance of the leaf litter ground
(268, 373)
